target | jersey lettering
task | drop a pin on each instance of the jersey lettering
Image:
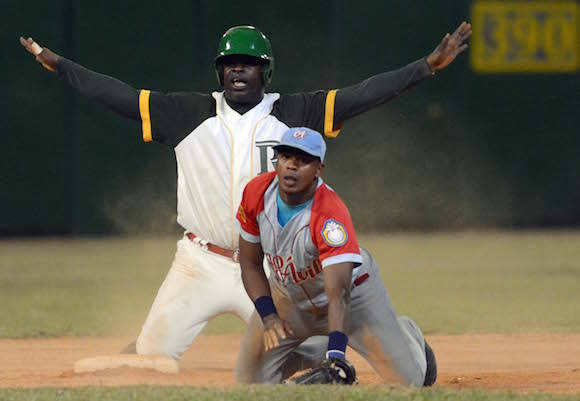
(286, 268)
(264, 147)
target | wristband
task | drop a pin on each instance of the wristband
(337, 341)
(265, 306)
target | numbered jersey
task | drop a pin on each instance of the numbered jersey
(219, 151)
(316, 238)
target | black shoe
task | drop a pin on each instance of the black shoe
(431, 373)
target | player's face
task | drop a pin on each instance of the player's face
(298, 174)
(242, 78)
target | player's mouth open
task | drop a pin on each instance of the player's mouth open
(238, 83)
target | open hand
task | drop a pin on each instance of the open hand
(275, 330)
(44, 56)
(449, 48)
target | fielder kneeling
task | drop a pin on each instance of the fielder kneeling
(322, 283)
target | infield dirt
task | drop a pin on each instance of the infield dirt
(522, 363)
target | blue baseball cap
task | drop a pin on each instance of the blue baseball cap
(305, 139)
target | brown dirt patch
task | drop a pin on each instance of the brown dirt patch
(521, 363)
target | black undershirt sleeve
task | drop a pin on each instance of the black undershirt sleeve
(326, 110)
(176, 115)
(165, 118)
(378, 89)
(114, 94)
(302, 110)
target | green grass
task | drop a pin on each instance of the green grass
(81, 287)
(498, 282)
(265, 393)
(450, 283)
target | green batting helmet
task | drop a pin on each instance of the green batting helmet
(246, 40)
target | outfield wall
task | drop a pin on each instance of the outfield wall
(466, 149)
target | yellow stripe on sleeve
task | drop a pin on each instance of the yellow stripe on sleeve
(145, 117)
(329, 116)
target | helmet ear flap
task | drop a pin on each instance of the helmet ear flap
(219, 71)
(267, 72)
(267, 77)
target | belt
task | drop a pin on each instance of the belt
(228, 253)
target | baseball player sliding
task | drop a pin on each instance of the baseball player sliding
(221, 141)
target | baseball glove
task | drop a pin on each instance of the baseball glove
(330, 371)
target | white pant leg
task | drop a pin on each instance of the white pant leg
(198, 286)
(238, 301)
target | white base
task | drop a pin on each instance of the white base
(159, 363)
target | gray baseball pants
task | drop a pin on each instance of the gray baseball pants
(393, 346)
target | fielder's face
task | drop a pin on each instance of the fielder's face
(298, 174)
(242, 79)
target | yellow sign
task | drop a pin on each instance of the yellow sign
(525, 36)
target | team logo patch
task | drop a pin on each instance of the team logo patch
(299, 134)
(334, 233)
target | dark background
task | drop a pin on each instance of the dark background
(463, 150)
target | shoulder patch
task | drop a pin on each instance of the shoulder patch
(334, 233)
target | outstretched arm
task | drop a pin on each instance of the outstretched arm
(381, 88)
(116, 95)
